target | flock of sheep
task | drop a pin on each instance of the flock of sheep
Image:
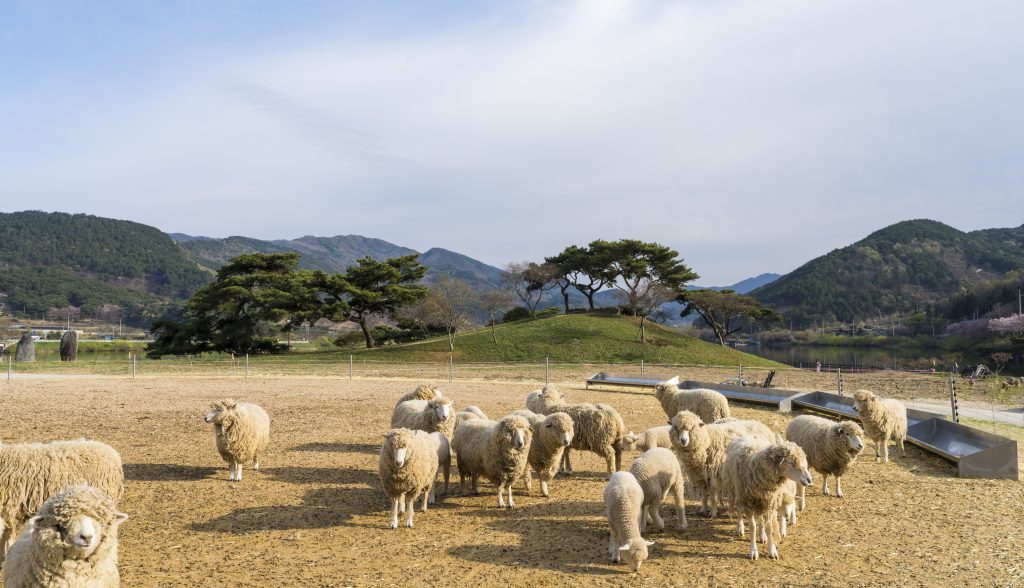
(758, 473)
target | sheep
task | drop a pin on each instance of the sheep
(444, 461)
(242, 431)
(407, 466)
(649, 439)
(497, 450)
(831, 447)
(32, 472)
(471, 412)
(551, 435)
(702, 448)
(623, 505)
(787, 506)
(882, 419)
(755, 472)
(598, 427)
(424, 415)
(707, 404)
(658, 472)
(422, 392)
(72, 541)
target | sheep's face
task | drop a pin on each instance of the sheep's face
(794, 465)
(559, 426)
(78, 535)
(399, 448)
(682, 426)
(630, 440)
(635, 553)
(442, 409)
(520, 437)
(862, 399)
(852, 435)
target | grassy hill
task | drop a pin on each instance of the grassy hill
(570, 338)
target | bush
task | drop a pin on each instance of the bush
(516, 314)
(549, 312)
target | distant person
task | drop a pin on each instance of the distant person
(817, 366)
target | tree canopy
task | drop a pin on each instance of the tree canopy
(725, 311)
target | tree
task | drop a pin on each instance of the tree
(725, 311)
(450, 303)
(492, 303)
(634, 264)
(527, 281)
(650, 296)
(585, 269)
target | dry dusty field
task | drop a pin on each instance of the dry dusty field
(315, 515)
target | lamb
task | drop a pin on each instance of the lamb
(787, 506)
(831, 447)
(658, 472)
(623, 505)
(649, 439)
(598, 427)
(702, 448)
(32, 472)
(551, 435)
(497, 450)
(424, 415)
(707, 404)
(408, 466)
(242, 431)
(471, 412)
(422, 392)
(755, 472)
(545, 400)
(882, 419)
(72, 541)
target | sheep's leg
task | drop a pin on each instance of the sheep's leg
(432, 493)
(476, 484)
(528, 478)
(618, 457)
(256, 463)
(803, 497)
(773, 550)
(764, 531)
(401, 503)
(238, 469)
(782, 525)
(678, 493)
(544, 488)
(613, 547)
(740, 528)
(609, 458)
(839, 487)
(792, 515)
(645, 517)
(878, 451)
(447, 477)
(655, 510)
(885, 450)
(753, 537)
(410, 506)
(231, 471)
(501, 495)
(567, 463)
(899, 441)
(394, 511)
(511, 503)
(824, 484)
(427, 492)
(713, 499)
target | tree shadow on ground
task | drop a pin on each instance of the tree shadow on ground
(339, 448)
(167, 472)
(320, 509)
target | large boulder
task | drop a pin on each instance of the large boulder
(26, 349)
(69, 346)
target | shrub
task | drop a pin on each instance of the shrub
(516, 314)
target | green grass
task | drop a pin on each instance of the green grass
(570, 338)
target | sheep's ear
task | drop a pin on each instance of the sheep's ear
(624, 547)
(119, 517)
(649, 543)
(34, 521)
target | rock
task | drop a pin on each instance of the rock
(26, 349)
(69, 346)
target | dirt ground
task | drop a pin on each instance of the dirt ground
(315, 515)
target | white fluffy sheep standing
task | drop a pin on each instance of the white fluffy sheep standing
(702, 448)
(882, 419)
(755, 472)
(496, 450)
(658, 472)
(551, 436)
(649, 439)
(32, 472)
(72, 541)
(469, 413)
(598, 427)
(831, 447)
(623, 505)
(407, 466)
(709, 405)
(424, 415)
(242, 431)
(422, 392)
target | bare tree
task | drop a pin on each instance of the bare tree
(648, 296)
(450, 303)
(492, 303)
(527, 281)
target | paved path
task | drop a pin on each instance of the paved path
(973, 409)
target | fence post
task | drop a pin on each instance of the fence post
(350, 367)
(450, 362)
(10, 360)
(739, 375)
(546, 370)
(246, 366)
(952, 399)
(839, 380)
(641, 367)
(133, 366)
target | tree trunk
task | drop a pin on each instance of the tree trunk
(643, 332)
(451, 340)
(366, 334)
(565, 297)
(494, 337)
(590, 299)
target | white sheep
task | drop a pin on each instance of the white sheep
(72, 541)
(551, 436)
(882, 419)
(32, 472)
(755, 472)
(444, 461)
(831, 447)
(623, 505)
(469, 413)
(424, 415)
(598, 427)
(709, 405)
(649, 439)
(242, 432)
(702, 448)
(658, 472)
(496, 450)
(407, 466)
(422, 392)
(787, 506)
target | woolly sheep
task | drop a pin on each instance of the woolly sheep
(755, 472)
(623, 505)
(831, 447)
(422, 392)
(598, 427)
(72, 541)
(470, 412)
(242, 431)
(496, 450)
(882, 419)
(658, 472)
(702, 448)
(649, 439)
(32, 472)
(424, 415)
(407, 466)
(707, 404)
(551, 435)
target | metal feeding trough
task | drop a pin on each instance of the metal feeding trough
(976, 453)
(640, 381)
(754, 394)
(828, 403)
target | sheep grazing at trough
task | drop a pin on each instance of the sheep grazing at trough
(422, 392)
(72, 541)
(551, 436)
(649, 439)
(598, 427)
(755, 472)
(882, 419)
(702, 448)
(831, 447)
(707, 404)
(424, 415)
(658, 472)
(623, 505)
(32, 472)
(407, 466)
(469, 413)
(242, 431)
(496, 450)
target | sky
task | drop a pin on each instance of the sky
(749, 135)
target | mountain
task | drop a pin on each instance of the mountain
(750, 284)
(901, 268)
